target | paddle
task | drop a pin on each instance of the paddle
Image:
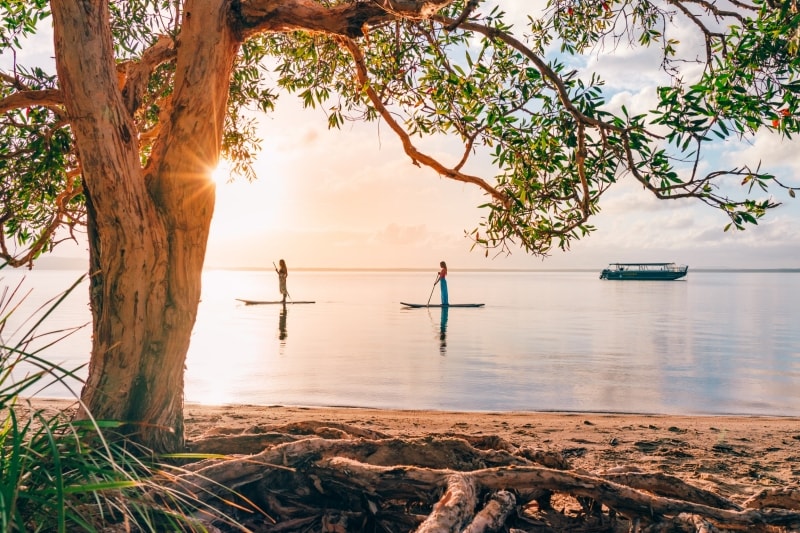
(434, 286)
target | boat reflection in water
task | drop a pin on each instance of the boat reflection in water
(644, 271)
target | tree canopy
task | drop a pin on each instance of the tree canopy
(519, 94)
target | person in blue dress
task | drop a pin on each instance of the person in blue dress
(441, 279)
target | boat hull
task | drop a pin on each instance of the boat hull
(278, 302)
(418, 306)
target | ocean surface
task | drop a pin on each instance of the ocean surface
(716, 342)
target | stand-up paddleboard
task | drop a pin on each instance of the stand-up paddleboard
(260, 302)
(417, 306)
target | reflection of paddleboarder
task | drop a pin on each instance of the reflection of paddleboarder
(282, 334)
(443, 332)
(442, 281)
(283, 273)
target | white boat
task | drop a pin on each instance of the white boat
(644, 271)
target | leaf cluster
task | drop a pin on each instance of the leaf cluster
(19, 19)
(40, 189)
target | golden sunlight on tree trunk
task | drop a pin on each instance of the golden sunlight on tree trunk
(148, 227)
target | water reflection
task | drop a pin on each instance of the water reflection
(443, 332)
(671, 347)
(282, 334)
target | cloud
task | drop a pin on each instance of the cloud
(768, 149)
(394, 234)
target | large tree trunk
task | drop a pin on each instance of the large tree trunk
(148, 228)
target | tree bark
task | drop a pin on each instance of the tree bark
(148, 227)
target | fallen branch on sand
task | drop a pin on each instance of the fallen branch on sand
(335, 477)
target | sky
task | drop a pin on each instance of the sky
(351, 198)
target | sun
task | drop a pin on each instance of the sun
(221, 174)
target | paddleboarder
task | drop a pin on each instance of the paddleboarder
(441, 279)
(282, 274)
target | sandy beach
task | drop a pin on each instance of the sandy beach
(741, 459)
(734, 456)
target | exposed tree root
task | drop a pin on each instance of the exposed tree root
(315, 477)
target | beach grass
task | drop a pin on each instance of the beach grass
(60, 474)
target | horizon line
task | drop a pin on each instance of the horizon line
(551, 269)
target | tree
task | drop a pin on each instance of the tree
(149, 94)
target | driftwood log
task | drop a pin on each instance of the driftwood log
(339, 478)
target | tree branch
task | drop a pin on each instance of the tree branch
(134, 75)
(469, 8)
(282, 16)
(415, 155)
(546, 71)
(712, 8)
(61, 216)
(49, 98)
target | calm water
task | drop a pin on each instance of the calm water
(716, 342)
